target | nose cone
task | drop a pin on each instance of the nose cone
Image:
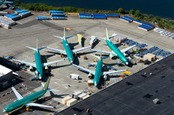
(127, 63)
(95, 83)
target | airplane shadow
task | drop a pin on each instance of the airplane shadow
(72, 45)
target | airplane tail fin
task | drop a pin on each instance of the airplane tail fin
(107, 36)
(46, 84)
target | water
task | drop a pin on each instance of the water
(162, 8)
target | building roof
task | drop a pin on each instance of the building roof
(147, 92)
(4, 70)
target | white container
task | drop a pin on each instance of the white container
(71, 102)
(74, 76)
(85, 97)
(65, 99)
(82, 95)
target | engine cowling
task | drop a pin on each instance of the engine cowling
(105, 77)
(89, 75)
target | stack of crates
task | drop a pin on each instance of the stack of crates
(57, 15)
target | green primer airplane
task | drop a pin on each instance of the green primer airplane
(67, 50)
(98, 73)
(38, 62)
(115, 50)
(28, 100)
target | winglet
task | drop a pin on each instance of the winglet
(107, 36)
(64, 35)
(46, 84)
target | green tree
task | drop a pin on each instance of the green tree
(131, 12)
(137, 13)
(120, 10)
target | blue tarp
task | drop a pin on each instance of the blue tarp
(112, 15)
(43, 18)
(56, 11)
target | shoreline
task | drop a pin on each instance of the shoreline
(163, 23)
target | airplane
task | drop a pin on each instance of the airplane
(98, 73)
(28, 100)
(115, 51)
(67, 50)
(38, 62)
(5, 2)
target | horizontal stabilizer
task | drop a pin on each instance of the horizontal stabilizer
(31, 48)
(58, 36)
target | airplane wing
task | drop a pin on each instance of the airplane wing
(85, 69)
(27, 63)
(40, 105)
(18, 95)
(57, 50)
(128, 48)
(112, 72)
(101, 51)
(80, 49)
(53, 62)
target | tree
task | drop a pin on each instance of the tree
(131, 12)
(120, 10)
(137, 13)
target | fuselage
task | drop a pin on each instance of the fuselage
(117, 52)
(98, 72)
(24, 101)
(68, 50)
(39, 65)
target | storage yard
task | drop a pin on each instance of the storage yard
(25, 33)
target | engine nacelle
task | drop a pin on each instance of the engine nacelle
(31, 68)
(111, 56)
(36, 73)
(89, 75)
(105, 77)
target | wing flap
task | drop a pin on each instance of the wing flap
(27, 63)
(57, 50)
(80, 49)
(128, 48)
(85, 69)
(112, 72)
(40, 105)
(53, 62)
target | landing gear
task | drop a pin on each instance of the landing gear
(27, 108)
(62, 56)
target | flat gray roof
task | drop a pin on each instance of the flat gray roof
(135, 95)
